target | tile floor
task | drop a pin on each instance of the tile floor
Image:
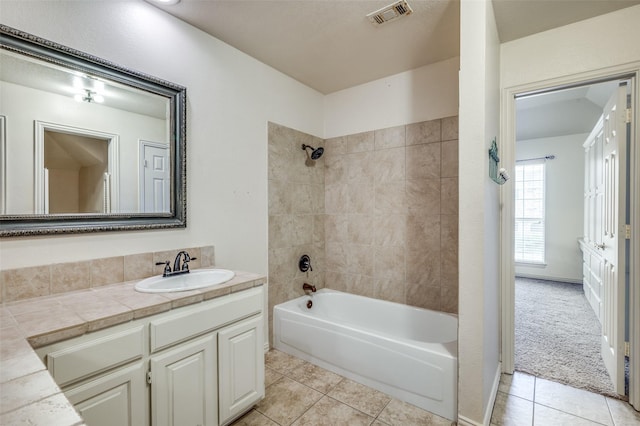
(300, 393)
(527, 400)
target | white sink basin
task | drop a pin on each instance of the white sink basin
(198, 278)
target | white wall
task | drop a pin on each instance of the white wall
(230, 96)
(584, 47)
(478, 335)
(564, 205)
(426, 93)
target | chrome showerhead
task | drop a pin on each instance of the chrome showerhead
(315, 152)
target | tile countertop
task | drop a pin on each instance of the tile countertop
(28, 394)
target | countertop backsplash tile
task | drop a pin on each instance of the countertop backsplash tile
(60, 278)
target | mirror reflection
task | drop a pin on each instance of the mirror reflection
(86, 145)
(74, 142)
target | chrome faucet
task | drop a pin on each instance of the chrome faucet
(185, 262)
(178, 268)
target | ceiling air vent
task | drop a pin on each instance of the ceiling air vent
(389, 13)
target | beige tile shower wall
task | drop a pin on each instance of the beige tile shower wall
(391, 204)
(296, 213)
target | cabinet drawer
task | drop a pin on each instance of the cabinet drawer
(94, 356)
(194, 320)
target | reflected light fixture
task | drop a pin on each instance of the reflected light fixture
(89, 96)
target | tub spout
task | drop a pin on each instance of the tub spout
(308, 287)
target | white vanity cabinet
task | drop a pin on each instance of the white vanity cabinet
(240, 367)
(201, 364)
(117, 398)
(183, 384)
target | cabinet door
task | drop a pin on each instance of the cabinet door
(183, 384)
(241, 367)
(118, 398)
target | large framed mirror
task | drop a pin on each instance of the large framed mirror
(86, 145)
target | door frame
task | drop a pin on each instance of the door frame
(507, 213)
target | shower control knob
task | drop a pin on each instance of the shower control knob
(305, 263)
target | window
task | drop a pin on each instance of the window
(529, 227)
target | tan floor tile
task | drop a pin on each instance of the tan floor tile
(545, 416)
(360, 397)
(315, 377)
(511, 410)
(52, 411)
(25, 390)
(286, 400)
(270, 376)
(329, 412)
(623, 414)
(281, 362)
(578, 402)
(398, 413)
(254, 418)
(518, 384)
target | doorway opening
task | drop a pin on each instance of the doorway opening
(76, 170)
(557, 195)
(608, 290)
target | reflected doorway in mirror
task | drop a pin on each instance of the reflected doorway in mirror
(77, 170)
(155, 177)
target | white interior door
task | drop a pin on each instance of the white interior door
(154, 177)
(613, 244)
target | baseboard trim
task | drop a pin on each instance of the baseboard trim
(488, 410)
(548, 278)
(266, 347)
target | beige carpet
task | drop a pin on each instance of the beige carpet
(557, 335)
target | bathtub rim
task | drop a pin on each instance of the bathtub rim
(450, 346)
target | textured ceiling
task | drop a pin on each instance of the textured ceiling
(330, 45)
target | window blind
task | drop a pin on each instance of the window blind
(530, 213)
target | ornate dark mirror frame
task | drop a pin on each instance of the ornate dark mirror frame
(28, 225)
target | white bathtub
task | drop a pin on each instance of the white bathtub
(406, 352)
